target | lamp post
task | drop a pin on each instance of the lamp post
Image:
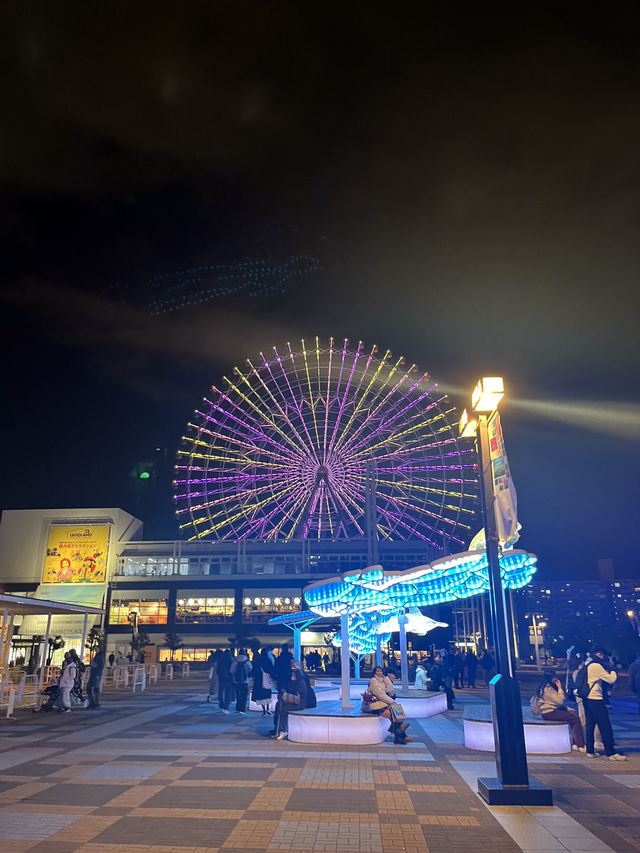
(512, 787)
(634, 621)
(537, 629)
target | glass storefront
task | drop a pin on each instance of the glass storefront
(150, 605)
(259, 605)
(195, 606)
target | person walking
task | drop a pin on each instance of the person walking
(597, 714)
(95, 677)
(552, 703)
(448, 674)
(225, 681)
(634, 679)
(241, 675)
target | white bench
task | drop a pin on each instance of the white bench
(330, 723)
(417, 704)
(542, 737)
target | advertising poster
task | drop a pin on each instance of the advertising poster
(76, 553)
(506, 502)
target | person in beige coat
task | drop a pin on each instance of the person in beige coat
(384, 698)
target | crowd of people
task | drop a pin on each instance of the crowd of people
(587, 685)
(232, 679)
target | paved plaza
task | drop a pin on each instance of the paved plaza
(164, 771)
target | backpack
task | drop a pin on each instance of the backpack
(536, 705)
(240, 671)
(581, 682)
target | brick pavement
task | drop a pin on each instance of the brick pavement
(164, 771)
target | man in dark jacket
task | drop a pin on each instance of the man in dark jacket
(95, 677)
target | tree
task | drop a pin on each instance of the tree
(55, 643)
(95, 638)
(173, 642)
(138, 641)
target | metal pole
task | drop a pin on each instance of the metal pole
(378, 651)
(513, 606)
(404, 663)
(344, 660)
(84, 636)
(511, 787)
(485, 636)
(536, 647)
(6, 651)
(43, 662)
(297, 644)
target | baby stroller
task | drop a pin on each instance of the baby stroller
(48, 698)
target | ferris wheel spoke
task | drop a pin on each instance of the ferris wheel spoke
(294, 401)
(311, 400)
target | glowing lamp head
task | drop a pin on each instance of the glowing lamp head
(630, 614)
(467, 426)
(487, 394)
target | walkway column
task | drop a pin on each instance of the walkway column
(404, 663)
(7, 630)
(84, 637)
(3, 633)
(43, 661)
(344, 660)
(297, 645)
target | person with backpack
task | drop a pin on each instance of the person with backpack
(241, 673)
(551, 705)
(589, 682)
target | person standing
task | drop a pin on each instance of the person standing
(634, 679)
(95, 678)
(448, 674)
(76, 690)
(225, 682)
(262, 681)
(66, 682)
(488, 664)
(422, 677)
(212, 661)
(471, 663)
(597, 714)
(241, 673)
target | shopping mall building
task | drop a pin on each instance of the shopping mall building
(211, 595)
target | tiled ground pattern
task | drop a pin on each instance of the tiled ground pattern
(166, 772)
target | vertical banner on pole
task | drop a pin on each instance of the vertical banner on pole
(506, 501)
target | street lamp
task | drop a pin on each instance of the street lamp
(512, 787)
(634, 621)
(537, 634)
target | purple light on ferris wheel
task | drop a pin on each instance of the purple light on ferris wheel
(286, 449)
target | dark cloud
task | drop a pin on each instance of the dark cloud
(468, 180)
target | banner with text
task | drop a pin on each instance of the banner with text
(506, 501)
(76, 553)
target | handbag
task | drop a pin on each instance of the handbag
(397, 712)
(291, 698)
(535, 705)
(368, 697)
(267, 682)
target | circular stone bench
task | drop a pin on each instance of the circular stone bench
(417, 704)
(543, 737)
(330, 723)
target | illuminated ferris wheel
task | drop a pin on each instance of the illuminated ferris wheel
(301, 444)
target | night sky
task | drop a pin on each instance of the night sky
(469, 184)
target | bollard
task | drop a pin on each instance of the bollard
(169, 672)
(185, 670)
